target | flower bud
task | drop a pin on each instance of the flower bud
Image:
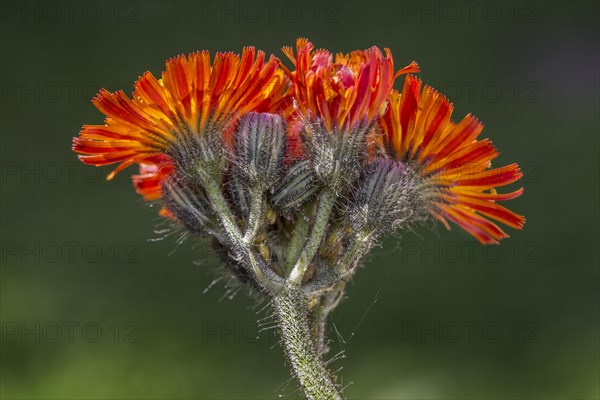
(260, 142)
(188, 203)
(388, 196)
(199, 155)
(296, 188)
(239, 194)
(337, 157)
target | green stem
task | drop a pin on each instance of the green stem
(291, 309)
(298, 238)
(255, 215)
(326, 203)
(328, 302)
(221, 207)
(358, 249)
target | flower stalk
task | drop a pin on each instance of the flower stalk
(291, 309)
(327, 304)
(221, 208)
(326, 202)
(298, 239)
(255, 217)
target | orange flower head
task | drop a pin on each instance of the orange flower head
(168, 117)
(419, 132)
(344, 91)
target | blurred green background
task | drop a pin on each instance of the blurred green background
(92, 307)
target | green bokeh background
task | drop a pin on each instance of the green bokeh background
(540, 287)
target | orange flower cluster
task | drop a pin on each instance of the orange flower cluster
(195, 95)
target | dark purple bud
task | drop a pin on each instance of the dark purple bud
(260, 142)
(297, 187)
(188, 204)
(337, 157)
(388, 197)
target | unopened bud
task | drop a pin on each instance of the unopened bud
(296, 188)
(260, 142)
(188, 203)
(200, 155)
(386, 198)
(337, 157)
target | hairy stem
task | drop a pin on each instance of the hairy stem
(264, 274)
(298, 238)
(291, 309)
(221, 208)
(255, 216)
(361, 245)
(326, 202)
(328, 302)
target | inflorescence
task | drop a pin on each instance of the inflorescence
(295, 174)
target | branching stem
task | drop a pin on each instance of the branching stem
(298, 238)
(326, 203)
(221, 207)
(290, 303)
